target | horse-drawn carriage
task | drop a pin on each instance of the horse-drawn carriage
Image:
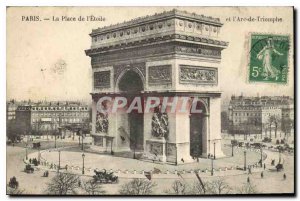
(105, 177)
(28, 169)
(279, 167)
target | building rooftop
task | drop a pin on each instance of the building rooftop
(261, 101)
(168, 26)
(175, 13)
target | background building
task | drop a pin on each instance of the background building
(11, 107)
(257, 115)
(47, 117)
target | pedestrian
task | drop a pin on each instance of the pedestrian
(248, 180)
(264, 166)
(262, 174)
(284, 176)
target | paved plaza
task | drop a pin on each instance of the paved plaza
(103, 161)
(272, 182)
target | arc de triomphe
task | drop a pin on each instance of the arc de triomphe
(171, 54)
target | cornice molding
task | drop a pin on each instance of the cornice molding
(158, 17)
(157, 40)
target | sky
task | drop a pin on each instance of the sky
(46, 59)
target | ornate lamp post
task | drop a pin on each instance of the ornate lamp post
(83, 162)
(245, 162)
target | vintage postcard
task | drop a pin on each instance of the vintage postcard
(150, 101)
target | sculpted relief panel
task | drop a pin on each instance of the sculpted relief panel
(160, 75)
(198, 75)
(102, 79)
(160, 124)
(101, 123)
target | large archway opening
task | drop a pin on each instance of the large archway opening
(197, 130)
(132, 84)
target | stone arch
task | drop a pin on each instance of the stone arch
(131, 82)
(199, 129)
(126, 70)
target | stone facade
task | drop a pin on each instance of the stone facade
(47, 117)
(257, 115)
(171, 54)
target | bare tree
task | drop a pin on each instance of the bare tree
(137, 187)
(14, 191)
(247, 188)
(93, 188)
(178, 188)
(63, 184)
(218, 186)
(199, 189)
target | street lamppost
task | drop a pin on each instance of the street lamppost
(39, 155)
(279, 151)
(261, 156)
(212, 166)
(83, 163)
(26, 151)
(58, 161)
(81, 140)
(245, 162)
(214, 150)
(175, 154)
(55, 140)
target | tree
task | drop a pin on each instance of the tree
(13, 187)
(12, 132)
(63, 184)
(178, 188)
(248, 188)
(14, 191)
(287, 125)
(219, 186)
(137, 187)
(197, 188)
(93, 188)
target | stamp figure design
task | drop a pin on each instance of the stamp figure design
(268, 58)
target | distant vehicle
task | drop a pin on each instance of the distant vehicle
(28, 169)
(234, 142)
(256, 145)
(36, 145)
(279, 167)
(266, 139)
(105, 177)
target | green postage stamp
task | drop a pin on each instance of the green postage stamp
(269, 56)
